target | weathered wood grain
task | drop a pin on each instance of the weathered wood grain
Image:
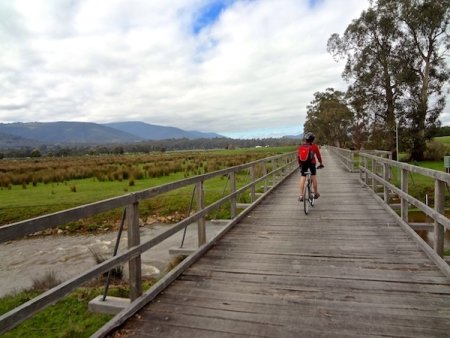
(347, 269)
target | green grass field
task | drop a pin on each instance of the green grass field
(443, 139)
(20, 202)
(70, 317)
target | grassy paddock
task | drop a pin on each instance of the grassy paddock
(67, 318)
(101, 177)
(443, 139)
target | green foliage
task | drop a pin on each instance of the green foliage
(67, 318)
(442, 131)
(443, 139)
(420, 186)
(329, 118)
(435, 151)
(82, 176)
(396, 65)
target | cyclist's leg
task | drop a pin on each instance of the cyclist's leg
(314, 181)
(306, 197)
(303, 170)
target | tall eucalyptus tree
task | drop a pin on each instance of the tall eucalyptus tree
(329, 118)
(370, 45)
(426, 42)
(395, 54)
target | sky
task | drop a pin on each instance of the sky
(239, 68)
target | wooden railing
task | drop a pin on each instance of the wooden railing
(271, 172)
(389, 181)
(350, 159)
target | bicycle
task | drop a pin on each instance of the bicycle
(308, 193)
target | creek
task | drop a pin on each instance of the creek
(428, 236)
(29, 259)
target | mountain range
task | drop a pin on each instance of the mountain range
(32, 134)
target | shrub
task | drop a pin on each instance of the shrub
(116, 272)
(435, 151)
(46, 282)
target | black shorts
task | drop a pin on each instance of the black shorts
(311, 166)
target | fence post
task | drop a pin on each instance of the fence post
(374, 173)
(274, 175)
(386, 178)
(366, 165)
(200, 201)
(253, 188)
(352, 159)
(359, 169)
(134, 265)
(233, 198)
(265, 173)
(403, 202)
(439, 204)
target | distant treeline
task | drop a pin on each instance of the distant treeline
(145, 147)
(443, 131)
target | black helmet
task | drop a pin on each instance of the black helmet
(309, 137)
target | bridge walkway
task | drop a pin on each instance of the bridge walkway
(344, 270)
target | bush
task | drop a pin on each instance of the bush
(46, 282)
(435, 151)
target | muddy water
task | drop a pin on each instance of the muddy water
(428, 236)
(24, 260)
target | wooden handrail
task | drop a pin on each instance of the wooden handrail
(372, 177)
(279, 169)
(347, 156)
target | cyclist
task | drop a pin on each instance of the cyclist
(309, 164)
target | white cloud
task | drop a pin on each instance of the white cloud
(251, 72)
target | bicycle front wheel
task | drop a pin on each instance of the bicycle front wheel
(306, 199)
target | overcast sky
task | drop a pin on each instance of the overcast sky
(238, 68)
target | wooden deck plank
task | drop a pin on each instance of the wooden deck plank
(344, 270)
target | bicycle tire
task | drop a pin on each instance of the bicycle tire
(306, 199)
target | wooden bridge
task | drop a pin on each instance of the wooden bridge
(351, 267)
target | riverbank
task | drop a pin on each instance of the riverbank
(69, 255)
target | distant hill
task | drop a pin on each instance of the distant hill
(34, 134)
(154, 132)
(67, 133)
(297, 137)
(10, 141)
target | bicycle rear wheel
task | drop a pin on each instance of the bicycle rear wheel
(306, 199)
(311, 197)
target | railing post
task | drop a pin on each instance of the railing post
(253, 188)
(389, 168)
(134, 265)
(374, 174)
(359, 169)
(366, 176)
(386, 178)
(439, 204)
(352, 159)
(233, 198)
(274, 174)
(200, 201)
(403, 202)
(265, 173)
